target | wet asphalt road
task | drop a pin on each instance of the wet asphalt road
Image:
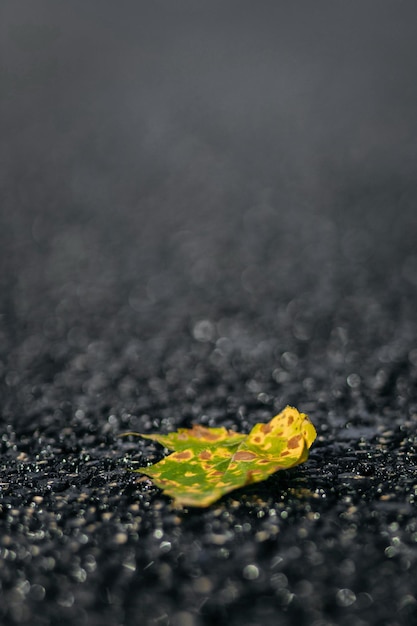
(208, 211)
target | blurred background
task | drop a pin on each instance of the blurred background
(239, 176)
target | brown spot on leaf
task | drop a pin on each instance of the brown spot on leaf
(258, 439)
(294, 441)
(264, 461)
(182, 456)
(203, 433)
(244, 455)
(266, 428)
(205, 455)
(290, 420)
(286, 453)
(251, 476)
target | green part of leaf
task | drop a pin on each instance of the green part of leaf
(210, 462)
(197, 437)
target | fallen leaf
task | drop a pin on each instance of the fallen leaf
(210, 462)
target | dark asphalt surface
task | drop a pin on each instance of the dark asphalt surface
(208, 211)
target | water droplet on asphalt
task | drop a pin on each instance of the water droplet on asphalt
(251, 572)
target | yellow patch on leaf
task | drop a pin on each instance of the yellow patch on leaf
(210, 462)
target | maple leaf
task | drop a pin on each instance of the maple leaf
(210, 462)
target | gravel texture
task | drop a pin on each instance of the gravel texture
(208, 211)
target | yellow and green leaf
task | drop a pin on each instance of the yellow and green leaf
(207, 463)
